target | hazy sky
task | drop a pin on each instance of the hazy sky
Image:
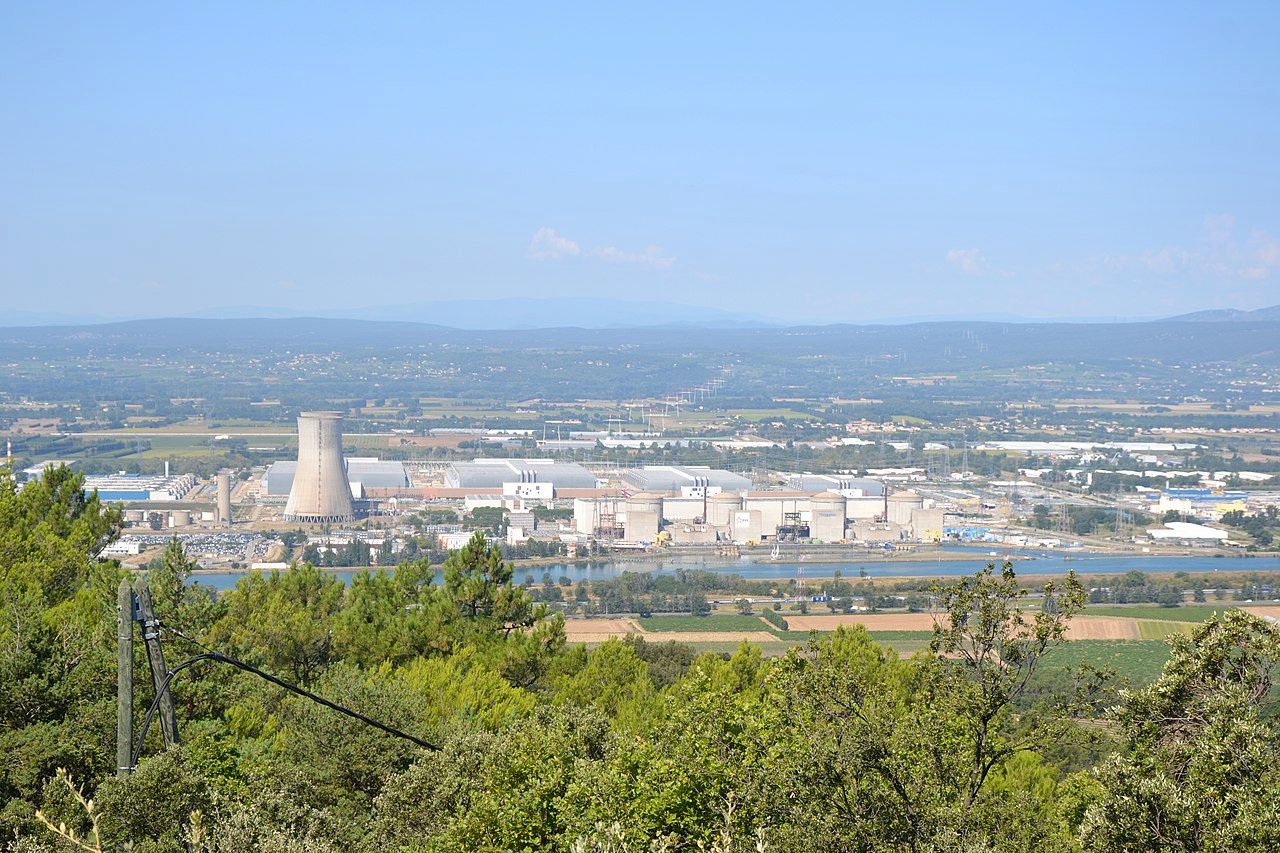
(799, 161)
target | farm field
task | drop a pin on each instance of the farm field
(701, 624)
(1155, 629)
(1126, 639)
(871, 621)
(1182, 613)
(1136, 661)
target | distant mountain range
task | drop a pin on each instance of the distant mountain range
(1231, 315)
(917, 346)
(528, 313)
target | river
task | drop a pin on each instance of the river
(1026, 561)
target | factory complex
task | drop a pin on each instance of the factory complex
(582, 505)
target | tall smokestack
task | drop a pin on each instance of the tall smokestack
(224, 498)
(320, 493)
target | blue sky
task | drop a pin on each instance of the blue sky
(800, 161)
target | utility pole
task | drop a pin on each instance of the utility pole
(133, 604)
(155, 656)
(124, 679)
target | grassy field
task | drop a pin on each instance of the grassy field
(1137, 661)
(1184, 613)
(716, 622)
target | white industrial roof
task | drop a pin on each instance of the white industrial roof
(671, 478)
(492, 473)
(1187, 530)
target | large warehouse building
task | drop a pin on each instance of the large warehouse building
(368, 472)
(530, 478)
(850, 487)
(683, 478)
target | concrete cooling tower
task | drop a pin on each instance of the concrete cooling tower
(320, 493)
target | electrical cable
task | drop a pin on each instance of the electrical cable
(219, 657)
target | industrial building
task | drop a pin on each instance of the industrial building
(745, 517)
(367, 472)
(1185, 532)
(140, 487)
(320, 492)
(685, 479)
(848, 486)
(528, 478)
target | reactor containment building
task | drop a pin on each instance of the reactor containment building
(320, 493)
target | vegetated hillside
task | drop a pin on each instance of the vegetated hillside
(524, 743)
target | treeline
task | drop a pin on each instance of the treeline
(1262, 527)
(536, 745)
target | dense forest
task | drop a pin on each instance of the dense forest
(533, 744)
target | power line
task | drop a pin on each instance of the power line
(218, 657)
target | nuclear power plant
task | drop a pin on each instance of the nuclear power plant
(320, 493)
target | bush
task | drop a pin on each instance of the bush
(775, 619)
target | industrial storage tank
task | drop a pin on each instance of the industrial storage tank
(180, 518)
(827, 517)
(135, 516)
(320, 492)
(224, 498)
(901, 505)
(721, 507)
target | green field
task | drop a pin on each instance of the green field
(1137, 661)
(716, 622)
(903, 642)
(1153, 629)
(1183, 613)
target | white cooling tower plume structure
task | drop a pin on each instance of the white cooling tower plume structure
(224, 498)
(320, 493)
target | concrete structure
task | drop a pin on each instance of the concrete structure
(865, 531)
(901, 505)
(224, 498)
(864, 508)
(927, 524)
(827, 518)
(320, 493)
(180, 518)
(721, 507)
(685, 479)
(369, 472)
(643, 517)
(747, 525)
(775, 507)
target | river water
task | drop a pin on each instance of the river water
(1026, 561)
